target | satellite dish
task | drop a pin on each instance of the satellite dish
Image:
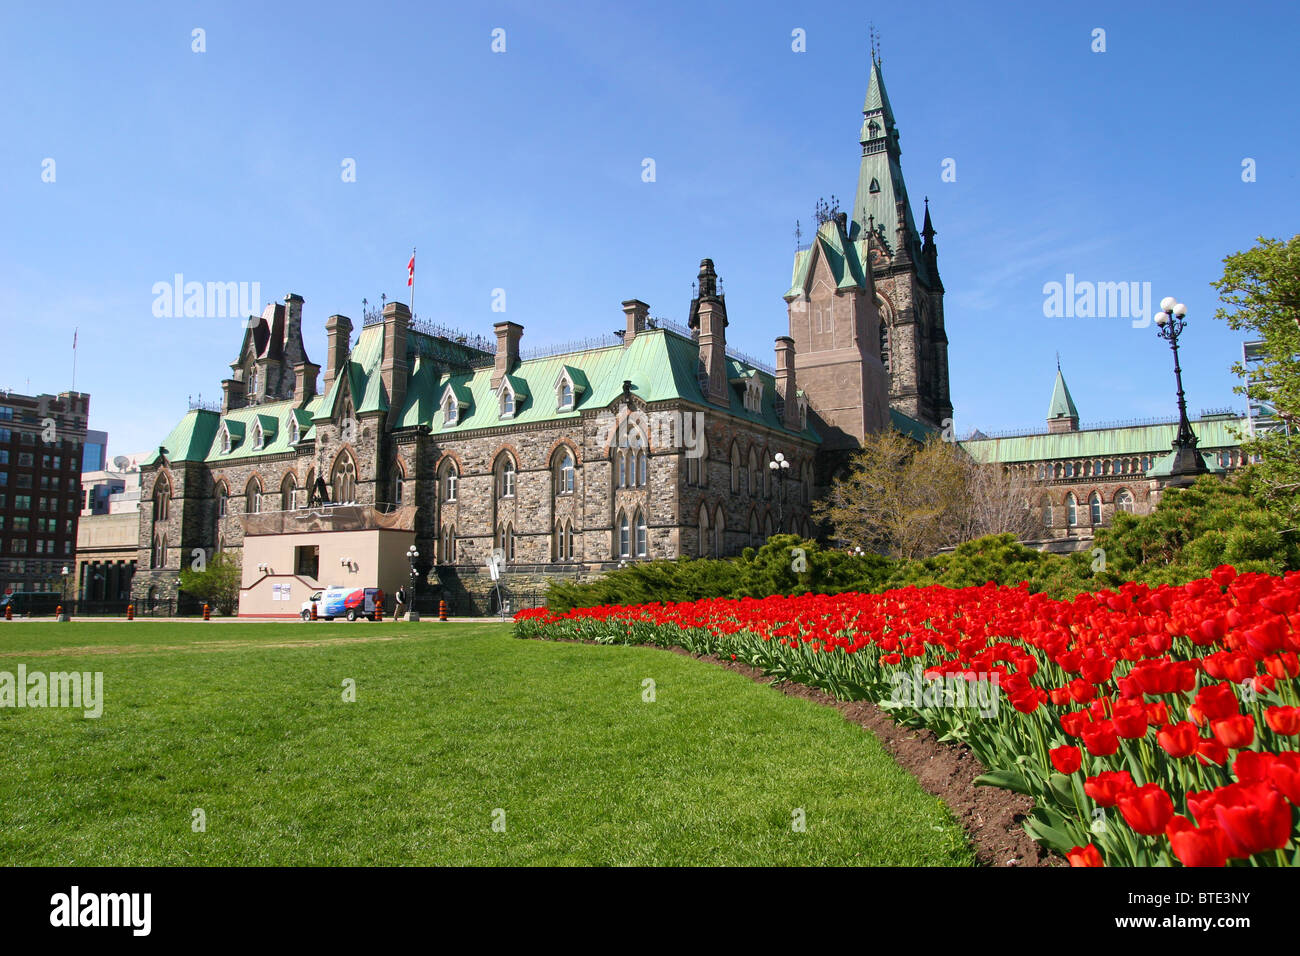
(121, 463)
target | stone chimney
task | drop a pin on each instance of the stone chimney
(709, 317)
(508, 336)
(232, 395)
(293, 352)
(338, 334)
(785, 381)
(393, 371)
(636, 313)
(304, 383)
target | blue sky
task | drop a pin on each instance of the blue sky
(522, 171)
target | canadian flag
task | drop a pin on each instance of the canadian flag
(410, 270)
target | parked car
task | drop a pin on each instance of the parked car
(31, 603)
(350, 603)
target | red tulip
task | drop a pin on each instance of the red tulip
(1084, 856)
(1196, 847)
(1107, 786)
(1130, 720)
(1283, 720)
(1217, 701)
(1146, 809)
(1100, 738)
(1255, 818)
(1235, 732)
(1074, 722)
(1082, 691)
(1066, 759)
(1209, 750)
(1180, 739)
(1284, 774)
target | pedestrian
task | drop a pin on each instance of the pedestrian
(401, 604)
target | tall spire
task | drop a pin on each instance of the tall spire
(881, 189)
(1062, 416)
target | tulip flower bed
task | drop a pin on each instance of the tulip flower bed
(1152, 726)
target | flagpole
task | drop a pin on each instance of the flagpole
(74, 359)
(412, 280)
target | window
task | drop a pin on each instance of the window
(1047, 512)
(26, 459)
(253, 497)
(161, 498)
(566, 395)
(1071, 511)
(306, 561)
(295, 432)
(4, 456)
(719, 533)
(622, 469)
(624, 536)
(754, 483)
(1069, 469)
(507, 402)
(703, 547)
(506, 477)
(641, 535)
(505, 540)
(1124, 501)
(642, 468)
(564, 478)
(450, 409)
(1094, 508)
(397, 490)
(258, 438)
(18, 545)
(22, 523)
(223, 497)
(562, 547)
(447, 544)
(735, 468)
(343, 481)
(225, 440)
(452, 478)
(158, 555)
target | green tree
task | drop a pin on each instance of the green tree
(217, 584)
(1260, 291)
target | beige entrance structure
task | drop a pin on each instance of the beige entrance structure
(289, 555)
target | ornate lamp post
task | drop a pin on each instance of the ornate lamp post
(412, 556)
(779, 468)
(1187, 462)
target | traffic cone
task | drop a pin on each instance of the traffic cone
(207, 612)
(130, 612)
(442, 610)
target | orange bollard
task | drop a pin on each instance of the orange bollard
(442, 610)
(9, 613)
(314, 612)
(379, 610)
(130, 612)
(207, 612)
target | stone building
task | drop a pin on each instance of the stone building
(657, 443)
(1082, 476)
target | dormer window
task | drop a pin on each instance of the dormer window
(258, 438)
(510, 396)
(225, 440)
(507, 403)
(571, 383)
(451, 413)
(295, 433)
(452, 405)
(566, 396)
(754, 395)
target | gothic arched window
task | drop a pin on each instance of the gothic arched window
(343, 481)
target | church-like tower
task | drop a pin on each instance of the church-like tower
(866, 301)
(904, 264)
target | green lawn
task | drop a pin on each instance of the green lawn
(451, 722)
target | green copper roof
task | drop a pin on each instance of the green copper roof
(660, 364)
(190, 439)
(1103, 442)
(362, 375)
(1165, 466)
(843, 256)
(910, 427)
(1062, 404)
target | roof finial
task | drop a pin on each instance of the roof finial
(798, 235)
(1058, 361)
